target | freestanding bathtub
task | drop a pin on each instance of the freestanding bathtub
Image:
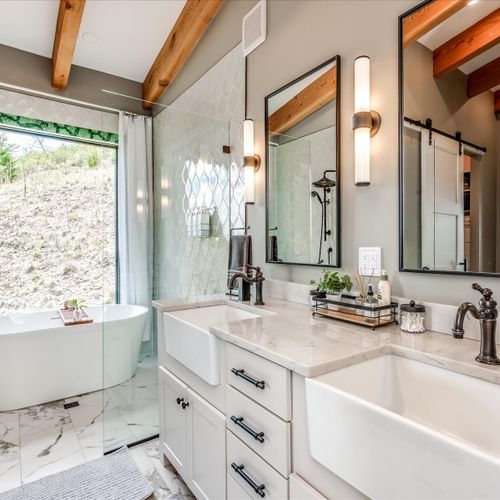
(42, 360)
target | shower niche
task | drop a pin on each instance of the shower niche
(303, 169)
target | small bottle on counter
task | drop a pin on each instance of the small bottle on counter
(384, 290)
(371, 302)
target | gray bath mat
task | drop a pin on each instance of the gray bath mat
(112, 477)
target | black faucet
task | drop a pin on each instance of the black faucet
(487, 316)
(247, 276)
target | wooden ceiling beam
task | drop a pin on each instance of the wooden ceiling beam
(68, 26)
(496, 102)
(307, 101)
(484, 78)
(467, 45)
(428, 17)
(187, 31)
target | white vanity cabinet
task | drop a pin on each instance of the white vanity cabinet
(192, 436)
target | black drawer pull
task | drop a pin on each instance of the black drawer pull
(184, 405)
(258, 489)
(259, 436)
(179, 400)
(257, 383)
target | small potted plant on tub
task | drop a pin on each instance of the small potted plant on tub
(76, 305)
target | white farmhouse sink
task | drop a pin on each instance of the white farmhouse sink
(398, 428)
(188, 340)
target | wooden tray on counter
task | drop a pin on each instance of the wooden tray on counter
(67, 317)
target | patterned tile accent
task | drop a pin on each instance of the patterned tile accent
(192, 172)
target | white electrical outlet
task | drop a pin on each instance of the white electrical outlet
(370, 261)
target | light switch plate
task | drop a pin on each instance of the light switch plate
(370, 261)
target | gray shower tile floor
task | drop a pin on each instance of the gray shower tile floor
(45, 439)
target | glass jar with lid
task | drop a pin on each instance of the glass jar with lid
(412, 317)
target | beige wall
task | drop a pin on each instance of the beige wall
(32, 71)
(300, 35)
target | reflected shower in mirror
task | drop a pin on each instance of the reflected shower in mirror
(302, 205)
(450, 137)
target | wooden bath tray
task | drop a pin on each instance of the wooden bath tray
(67, 317)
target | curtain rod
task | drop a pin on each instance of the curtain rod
(458, 138)
(52, 97)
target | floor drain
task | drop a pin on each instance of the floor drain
(71, 405)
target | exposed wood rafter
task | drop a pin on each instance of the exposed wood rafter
(484, 78)
(187, 31)
(307, 101)
(67, 28)
(468, 44)
(428, 17)
(496, 102)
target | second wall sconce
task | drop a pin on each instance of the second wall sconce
(251, 161)
(365, 121)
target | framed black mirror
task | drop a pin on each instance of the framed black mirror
(449, 144)
(303, 169)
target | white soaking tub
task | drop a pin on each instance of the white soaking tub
(42, 360)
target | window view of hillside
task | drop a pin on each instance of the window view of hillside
(57, 222)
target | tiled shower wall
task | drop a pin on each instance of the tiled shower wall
(293, 167)
(192, 172)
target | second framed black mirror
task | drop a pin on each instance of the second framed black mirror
(303, 169)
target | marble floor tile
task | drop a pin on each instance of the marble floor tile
(132, 394)
(98, 398)
(43, 417)
(47, 438)
(143, 422)
(49, 451)
(9, 436)
(10, 474)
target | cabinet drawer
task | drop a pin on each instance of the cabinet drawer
(261, 430)
(260, 379)
(235, 491)
(301, 490)
(251, 472)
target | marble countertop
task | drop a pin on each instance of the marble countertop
(312, 346)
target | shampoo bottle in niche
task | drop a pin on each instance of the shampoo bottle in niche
(384, 290)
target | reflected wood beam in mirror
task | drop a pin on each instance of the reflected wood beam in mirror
(69, 19)
(307, 101)
(484, 78)
(428, 17)
(467, 44)
(187, 31)
(496, 102)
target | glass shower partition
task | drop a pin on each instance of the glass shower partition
(198, 197)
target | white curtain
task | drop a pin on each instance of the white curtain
(135, 212)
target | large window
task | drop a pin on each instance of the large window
(57, 222)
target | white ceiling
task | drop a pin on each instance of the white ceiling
(459, 22)
(129, 32)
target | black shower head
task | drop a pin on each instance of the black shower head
(324, 182)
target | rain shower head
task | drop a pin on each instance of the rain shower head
(325, 182)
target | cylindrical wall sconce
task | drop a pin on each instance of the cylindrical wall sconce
(365, 121)
(251, 161)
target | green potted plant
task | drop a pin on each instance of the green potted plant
(76, 305)
(332, 283)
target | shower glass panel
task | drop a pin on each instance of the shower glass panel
(198, 196)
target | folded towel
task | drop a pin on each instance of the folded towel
(240, 251)
(273, 248)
